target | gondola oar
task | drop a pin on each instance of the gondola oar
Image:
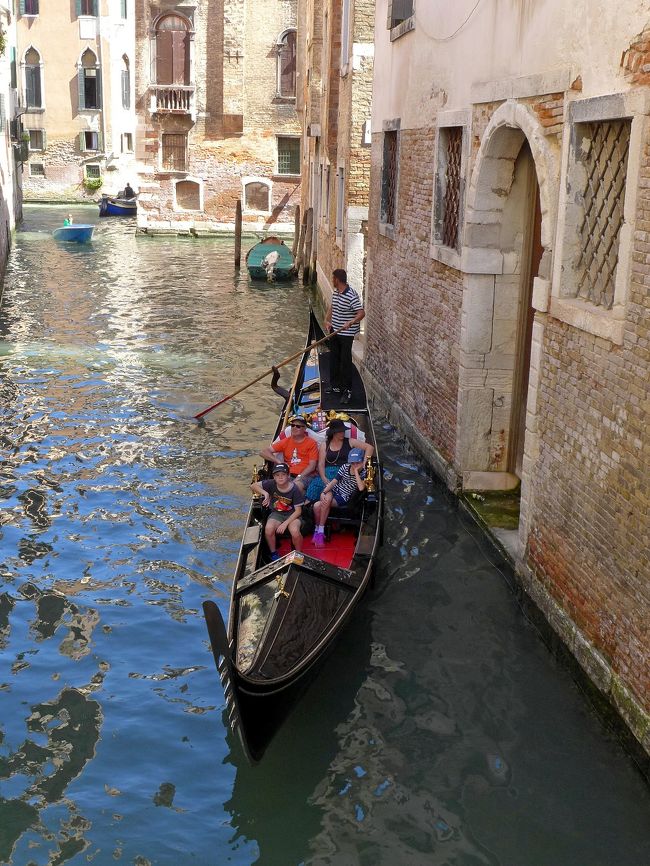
(268, 373)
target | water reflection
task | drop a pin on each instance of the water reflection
(440, 730)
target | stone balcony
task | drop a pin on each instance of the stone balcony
(172, 99)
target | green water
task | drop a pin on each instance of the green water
(441, 731)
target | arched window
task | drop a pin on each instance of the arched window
(126, 82)
(33, 90)
(188, 195)
(257, 194)
(90, 82)
(286, 70)
(172, 50)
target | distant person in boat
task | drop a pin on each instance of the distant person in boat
(128, 191)
(285, 500)
(279, 390)
(298, 450)
(332, 454)
(68, 220)
(349, 479)
(345, 311)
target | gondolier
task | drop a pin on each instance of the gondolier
(345, 311)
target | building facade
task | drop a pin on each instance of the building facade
(12, 150)
(508, 291)
(74, 78)
(335, 61)
(216, 106)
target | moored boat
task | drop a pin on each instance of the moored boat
(270, 259)
(286, 614)
(115, 206)
(78, 233)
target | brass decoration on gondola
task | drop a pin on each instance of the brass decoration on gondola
(370, 476)
(257, 497)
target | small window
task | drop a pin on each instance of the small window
(90, 83)
(257, 196)
(389, 176)
(93, 171)
(36, 169)
(286, 72)
(451, 149)
(28, 7)
(174, 152)
(37, 139)
(127, 142)
(398, 11)
(89, 140)
(87, 7)
(288, 155)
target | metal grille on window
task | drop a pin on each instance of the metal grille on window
(451, 201)
(603, 198)
(389, 178)
(288, 155)
(173, 152)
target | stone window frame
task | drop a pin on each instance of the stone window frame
(81, 76)
(448, 120)
(405, 25)
(197, 180)
(340, 205)
(124, 142)
(385, 228)
(33, 109)
(96, 172)
(32, 165)
(279, 44)
(564, 305)
(287, 135)
(253, 179)
(43, 140)
(162, 168)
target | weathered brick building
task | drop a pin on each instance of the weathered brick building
(335, 60)
(73, 74)
(508, 292)
(216, 105)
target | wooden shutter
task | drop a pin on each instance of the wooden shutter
(14, 76)
(78, 6)
(98, 88)
(82, 141)
(288, 65)
(100, 142)
(44, 134)
(81, 82)
(164, 57)
(180, 57)
(21, 7)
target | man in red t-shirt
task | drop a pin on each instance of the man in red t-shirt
(298, 450)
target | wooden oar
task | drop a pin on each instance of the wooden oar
(268, 373)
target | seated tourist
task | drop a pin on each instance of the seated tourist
(332, 454)
(284, 498)
(298, 450)
(349, 479)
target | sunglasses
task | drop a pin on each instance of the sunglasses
(304, 426)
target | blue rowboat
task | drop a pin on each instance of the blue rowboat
(270, 260)
(79, 233)
(110, 206)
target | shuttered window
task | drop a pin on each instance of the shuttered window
(33, 94)
(86, 7)
(89, 82)
(90, 141)
(37, 139)
(172, 51)
(288, 155)
(28, 7)
(398, 11)
(126, 88)
(287, 64)
(174, 152)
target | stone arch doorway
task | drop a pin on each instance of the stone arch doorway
(507, 255)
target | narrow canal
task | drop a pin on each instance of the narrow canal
(442, 731)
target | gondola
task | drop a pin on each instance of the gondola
(285, 615)
(116, 206)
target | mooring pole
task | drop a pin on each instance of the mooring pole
(296, 232)
(308, 241)
(301, 243)
(238, 233)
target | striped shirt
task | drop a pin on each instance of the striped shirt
(345, 306)
(346, 483)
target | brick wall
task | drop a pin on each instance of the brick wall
(413, 327)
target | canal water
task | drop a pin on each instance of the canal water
(441, 732)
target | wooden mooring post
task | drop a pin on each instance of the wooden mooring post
(309, 232)
(301, 243)
(238, 223)
(296, 232)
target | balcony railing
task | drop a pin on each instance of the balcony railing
(172, 98)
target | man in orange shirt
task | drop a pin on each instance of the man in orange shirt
(298, 450)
